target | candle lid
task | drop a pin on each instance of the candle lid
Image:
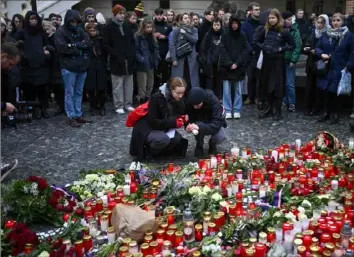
(146, 246)
(78, 242)
(179, 233)
(199, 226)
(137, 255)
(128, 255)
(301, 249)
(149, 238)
(196, 254)
(133, 244)
(104, 217)
(171, 227)
(87, 237)
(127, 240)
(298, 241)
(110, 229)
(166, 243)
(153, 244)
(329, 246)
(212, 225)
(271, 230)
(262, 235)
(123, 249)
(170, 232)
(314, 248)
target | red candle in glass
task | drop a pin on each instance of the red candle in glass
(198, 232)
(180, 250)
(271, 235)
(178, 238)
(79, 248)
(133, 187)
(232, 210)
(307, 240)
(88, 244)
(170, 167)
(287, 227)
(10, 224)
(111, 205)
(99, 205)
(238, 196)
(261, 250)
(170, 236)
(170, 217)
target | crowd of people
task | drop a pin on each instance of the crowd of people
(214, 60)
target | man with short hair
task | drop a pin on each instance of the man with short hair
(54, 19)
(10, 56)
(162, 31)
(205, 26)
(249, 27)
(303, 25)
(206, 118)
(73, 44)
(221, 13)
(119, 42)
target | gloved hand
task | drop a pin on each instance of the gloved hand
(179, 123)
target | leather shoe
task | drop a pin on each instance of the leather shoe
(81, 120)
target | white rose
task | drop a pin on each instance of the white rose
(278, 214)
(291, 216)
(323, 196)
(301, 209)
(44, 254)
(206, 189)
(100, 194)
(302, 216)
(216, 197)
(306, 203)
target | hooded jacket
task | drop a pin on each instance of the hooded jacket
(34, 63)
(249, 27)
(72, 44)
(233, 50)
(294, 55)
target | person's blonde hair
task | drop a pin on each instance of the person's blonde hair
(143, 25)
(279, 26)
(175, 82)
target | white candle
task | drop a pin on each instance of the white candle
(93, 231)
(104, 224)
(298, 227)
(279, 235)
(229, 191)
(351, 144)
(305, 224)
(275, 155)
(298, 144)
(234, 187)
(281, 155)
(244, 154)
(213, 162)
(104, 200)
(288, 241)
(126, 189)
(235, 151)
(334, 184)
(111, 237)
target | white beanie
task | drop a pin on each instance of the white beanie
(100, 19)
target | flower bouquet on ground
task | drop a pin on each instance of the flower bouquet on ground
(27, 201)
(327, 142)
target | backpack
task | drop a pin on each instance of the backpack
(139, 112)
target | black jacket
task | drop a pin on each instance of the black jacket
(233, 50)
(162, 114)
(56, 77)
(311, 58)
(120, 47)
(72, 45)
(273, 43)
(209, 52)
(304, 28)
(35, 64)
(163, 28)
(203, 30)
(210, 117)
(96, 78)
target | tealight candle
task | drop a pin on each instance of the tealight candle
(334, 184)
(275, 155)
(126, 189)
(111, 235)
(351, 144)
(213, 162)
(298, 144)
(235, 151)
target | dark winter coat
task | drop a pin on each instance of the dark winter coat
(14, 30)
(249, 27)
(210, 116)
(234, 50)
(96, 78)
(341, 56)
(120, 47)
(147, 53)
(163, 28)
(56, 77)
(162, 114)
(311, 58)
(350, 23)
(294, 55)
(35, 64)
(72, 45)
(176, 39)
(304, 29)
(204, 28)
(209, 52)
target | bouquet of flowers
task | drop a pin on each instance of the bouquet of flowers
(96, 183)
(327, 142)
(28, 201)
(17, 237)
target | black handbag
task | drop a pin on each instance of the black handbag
(322, 68)
(183, 50)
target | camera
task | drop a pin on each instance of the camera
(24, 113)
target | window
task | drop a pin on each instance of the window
(129, 5)
(165, 4)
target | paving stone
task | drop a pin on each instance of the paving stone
(52, 149)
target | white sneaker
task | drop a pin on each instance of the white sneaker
(130, 109)
(237, 115)
(228, 115)
(120, 111)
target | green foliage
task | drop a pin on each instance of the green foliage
(109, 249)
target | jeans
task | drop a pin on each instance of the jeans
(74, 85)
(290, 96)
(227, 97)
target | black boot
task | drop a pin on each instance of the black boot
(267, 112)
(94, 112)
(103, 111)
(212, 149)
(37, 114)
(324, 117)
(59, 111)
(45, 114)
(277, 110)
(334, 118)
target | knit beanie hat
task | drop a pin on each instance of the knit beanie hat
(286, 15)
(139, 10)
(196, 96)
(89, 11)
(117, 8)
(100, 18)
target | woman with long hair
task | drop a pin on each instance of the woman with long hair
(155, 134)
(273, 41)
(147, 58)
(182, 44)
(170, 17)
(313, 94)
(17, 24)
(336, 48)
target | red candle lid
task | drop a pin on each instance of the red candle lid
(287, 226)
(321, 220)
(323, 227)
(260, 246)
(325, 238)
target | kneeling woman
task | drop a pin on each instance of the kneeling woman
(156, 133)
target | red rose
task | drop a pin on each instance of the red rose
(68, 209)
(42, 183)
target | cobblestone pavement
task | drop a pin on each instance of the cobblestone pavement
(51, 149)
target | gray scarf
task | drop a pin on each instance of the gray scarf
(337, 34)
(119, 23)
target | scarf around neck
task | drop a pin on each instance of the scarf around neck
(120, 24)
(319, 33)
(337, 34)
